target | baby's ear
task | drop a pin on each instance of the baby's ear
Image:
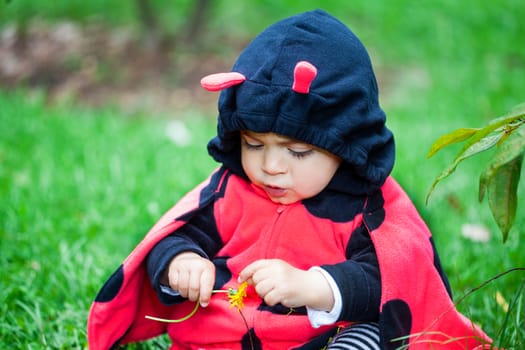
(219, 81)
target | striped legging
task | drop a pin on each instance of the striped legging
(359, 336)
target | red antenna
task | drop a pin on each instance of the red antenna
(219, 81)
(303, 75)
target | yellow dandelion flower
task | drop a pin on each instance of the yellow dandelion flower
(236, 296)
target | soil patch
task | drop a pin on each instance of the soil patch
(94, 65)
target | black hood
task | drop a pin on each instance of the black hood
(340, 113)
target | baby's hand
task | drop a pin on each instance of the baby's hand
(192, 276)
(279, 282)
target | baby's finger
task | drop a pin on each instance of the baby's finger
(263, 288)
(206, 287)
(182, 284)
(194, 286)
(271, 298)
(247, 273)
(173, 279)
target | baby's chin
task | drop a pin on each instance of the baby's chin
(285, 200)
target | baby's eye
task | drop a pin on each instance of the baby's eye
(251, 145)
(300, 153)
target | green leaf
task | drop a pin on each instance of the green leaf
(475, 148)
(517, 110)
(507, 151)
(502, 194)
(456, 136)
(478, 141)
(516, 115)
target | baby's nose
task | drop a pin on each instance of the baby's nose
(273, 162)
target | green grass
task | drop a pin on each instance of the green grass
(79, 188)
(78, 191)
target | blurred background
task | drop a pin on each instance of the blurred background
(103, 126)
(151, 54)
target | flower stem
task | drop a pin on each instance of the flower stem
(176, 320)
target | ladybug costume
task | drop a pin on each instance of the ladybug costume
(307, 77)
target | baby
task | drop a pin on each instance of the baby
(302, 209)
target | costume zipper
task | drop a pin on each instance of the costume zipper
(272, 236)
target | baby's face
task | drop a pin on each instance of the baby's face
(286, 169)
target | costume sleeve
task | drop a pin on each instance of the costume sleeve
(198, 235)
(358, 279)
(320, 318)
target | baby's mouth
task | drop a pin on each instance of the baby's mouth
(274, 191)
